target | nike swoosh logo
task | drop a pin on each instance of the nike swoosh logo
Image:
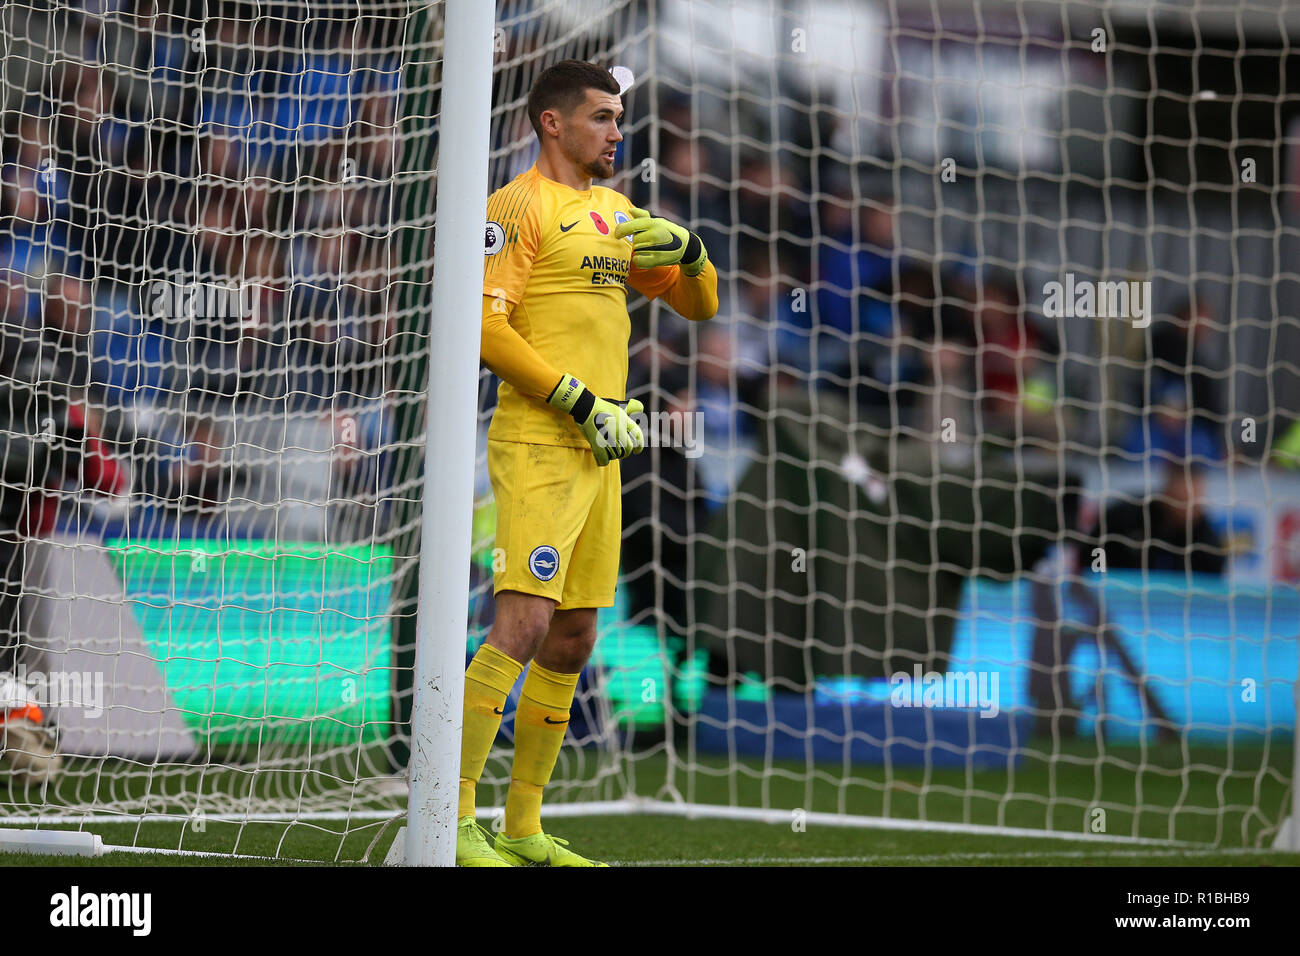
(569, 226)
(672, 245)
(497, 710)
(549, 721)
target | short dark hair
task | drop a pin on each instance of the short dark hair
(564, 85)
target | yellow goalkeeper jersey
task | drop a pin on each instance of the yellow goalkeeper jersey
(554, 268)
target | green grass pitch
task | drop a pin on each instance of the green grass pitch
(1159, 793)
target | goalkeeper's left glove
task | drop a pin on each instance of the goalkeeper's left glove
(658, 242)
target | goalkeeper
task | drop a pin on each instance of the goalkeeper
(560, 255)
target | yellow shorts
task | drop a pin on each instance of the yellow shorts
(559, 523)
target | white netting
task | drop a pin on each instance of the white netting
(998, 289)
(215, 242)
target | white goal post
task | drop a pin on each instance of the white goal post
(450, 438)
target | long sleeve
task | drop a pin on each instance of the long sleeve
(505, 352)
(691, 297)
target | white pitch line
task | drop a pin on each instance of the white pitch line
(167, 851)
(905, 859)
(161, 816)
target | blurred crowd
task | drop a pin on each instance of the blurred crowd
(194, 220)
(822, 298)
(255, 158)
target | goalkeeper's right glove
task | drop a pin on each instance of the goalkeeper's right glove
(607, 426)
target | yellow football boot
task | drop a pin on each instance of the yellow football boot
(541, 849)
(472, 847)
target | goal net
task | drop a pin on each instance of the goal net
(216, 238)
(973, 508)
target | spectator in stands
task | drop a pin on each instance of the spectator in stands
(662, 509)
(1017, 382)
(987, 367)
(104, 150)
(35, 207)
(945, 334)
(729, 424)
(1182, 404)
(903, 362)
(66, 326)
(183, 466)
(770, 204)
(685, 192)
(131, 359)
(855, 276)
(99, 470)
(371, 280)
(679, 171)
(1167, 531)
(68, 313)
(331, 329)
(772, 326)
(48, 437)
(1182, 347)
(1170, 430)
(89, 134)
(370, 203)
(1009, 347)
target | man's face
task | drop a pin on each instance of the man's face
(997, 312)
(877, 226)
(67, 308)
(589, 135)
(1183, 494)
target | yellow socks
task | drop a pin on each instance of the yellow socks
(540, 723)
(488, 680)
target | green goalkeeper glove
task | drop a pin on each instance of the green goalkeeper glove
(658, 242)
(608, 428)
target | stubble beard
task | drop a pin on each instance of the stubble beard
(599, 169)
